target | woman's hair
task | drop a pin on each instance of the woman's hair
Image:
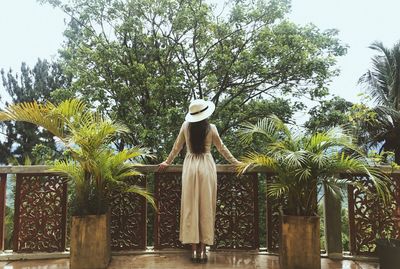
(197, 135)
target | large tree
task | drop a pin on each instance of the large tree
(37, 83)
(382, 82)
(142, 61)
(329, 113)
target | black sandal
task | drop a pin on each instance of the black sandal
(203, 257)
(194, 258)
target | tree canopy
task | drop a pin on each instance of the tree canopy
(142, 61)
(329, 113)
(22, 140)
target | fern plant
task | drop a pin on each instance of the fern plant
(305, 163)
(93, 166)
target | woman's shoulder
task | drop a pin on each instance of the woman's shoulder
(185, 124)
(213, 128)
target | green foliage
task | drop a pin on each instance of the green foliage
(383, 80)
(383, 84)
(141, 62)
(345, 229)
(93, 166)
(31, 84)
(329, 113)
(321, 224)
(9, 228)
(305, 163)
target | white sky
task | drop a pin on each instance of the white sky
(29, 31)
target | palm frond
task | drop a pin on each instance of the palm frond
(70, 108)
(70, 168)
(255, 160)
(147, 195)
(303, 174)
(382, 81)
(277, 189)
(271, 128)
(381, 182)
(320, 160)
(335, 186)
(296, 158)
(35, 113)
(87, 136)
(248, 131)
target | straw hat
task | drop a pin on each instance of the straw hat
(199, 110)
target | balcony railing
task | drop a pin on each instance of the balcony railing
(41, 212)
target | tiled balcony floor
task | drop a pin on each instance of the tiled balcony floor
(217, 260)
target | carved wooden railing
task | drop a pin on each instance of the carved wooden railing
(40, 218)
(369, 218)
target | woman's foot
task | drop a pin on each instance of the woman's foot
(203, 253)
(203, 256)
(195, 256)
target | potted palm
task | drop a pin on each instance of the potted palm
(304, 163)
(93, 168)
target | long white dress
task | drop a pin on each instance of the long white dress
(199, 187)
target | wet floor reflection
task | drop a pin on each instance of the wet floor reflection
(217, 260)
(37, 264)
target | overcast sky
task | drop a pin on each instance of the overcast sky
(29, 31)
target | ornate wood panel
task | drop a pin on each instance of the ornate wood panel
(40, 213)
(167, 191)
(3, 183)
(237, 211)
(128, 218)
(273, 219)
(369, 218)
(273, 224)
(236, 224)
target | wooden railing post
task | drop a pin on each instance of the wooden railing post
(3, 184)
(333, 225)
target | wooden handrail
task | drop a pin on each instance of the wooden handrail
(31, 169)
(221, 168)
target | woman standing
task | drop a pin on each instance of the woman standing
(199, 177)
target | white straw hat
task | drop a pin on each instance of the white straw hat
(199, 110)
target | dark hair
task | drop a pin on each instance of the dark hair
(197, 135)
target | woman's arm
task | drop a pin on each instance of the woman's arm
(222, 148)
(178, 145)
(179, 142)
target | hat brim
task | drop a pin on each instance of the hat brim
(203, 115)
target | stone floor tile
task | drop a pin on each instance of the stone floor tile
(217, 260)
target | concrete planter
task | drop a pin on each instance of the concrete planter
(389, 253)
(300, 243)
(90, 242)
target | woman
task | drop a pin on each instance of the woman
(199, 177)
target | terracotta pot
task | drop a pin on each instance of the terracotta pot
(300, 243)
(90, 242)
